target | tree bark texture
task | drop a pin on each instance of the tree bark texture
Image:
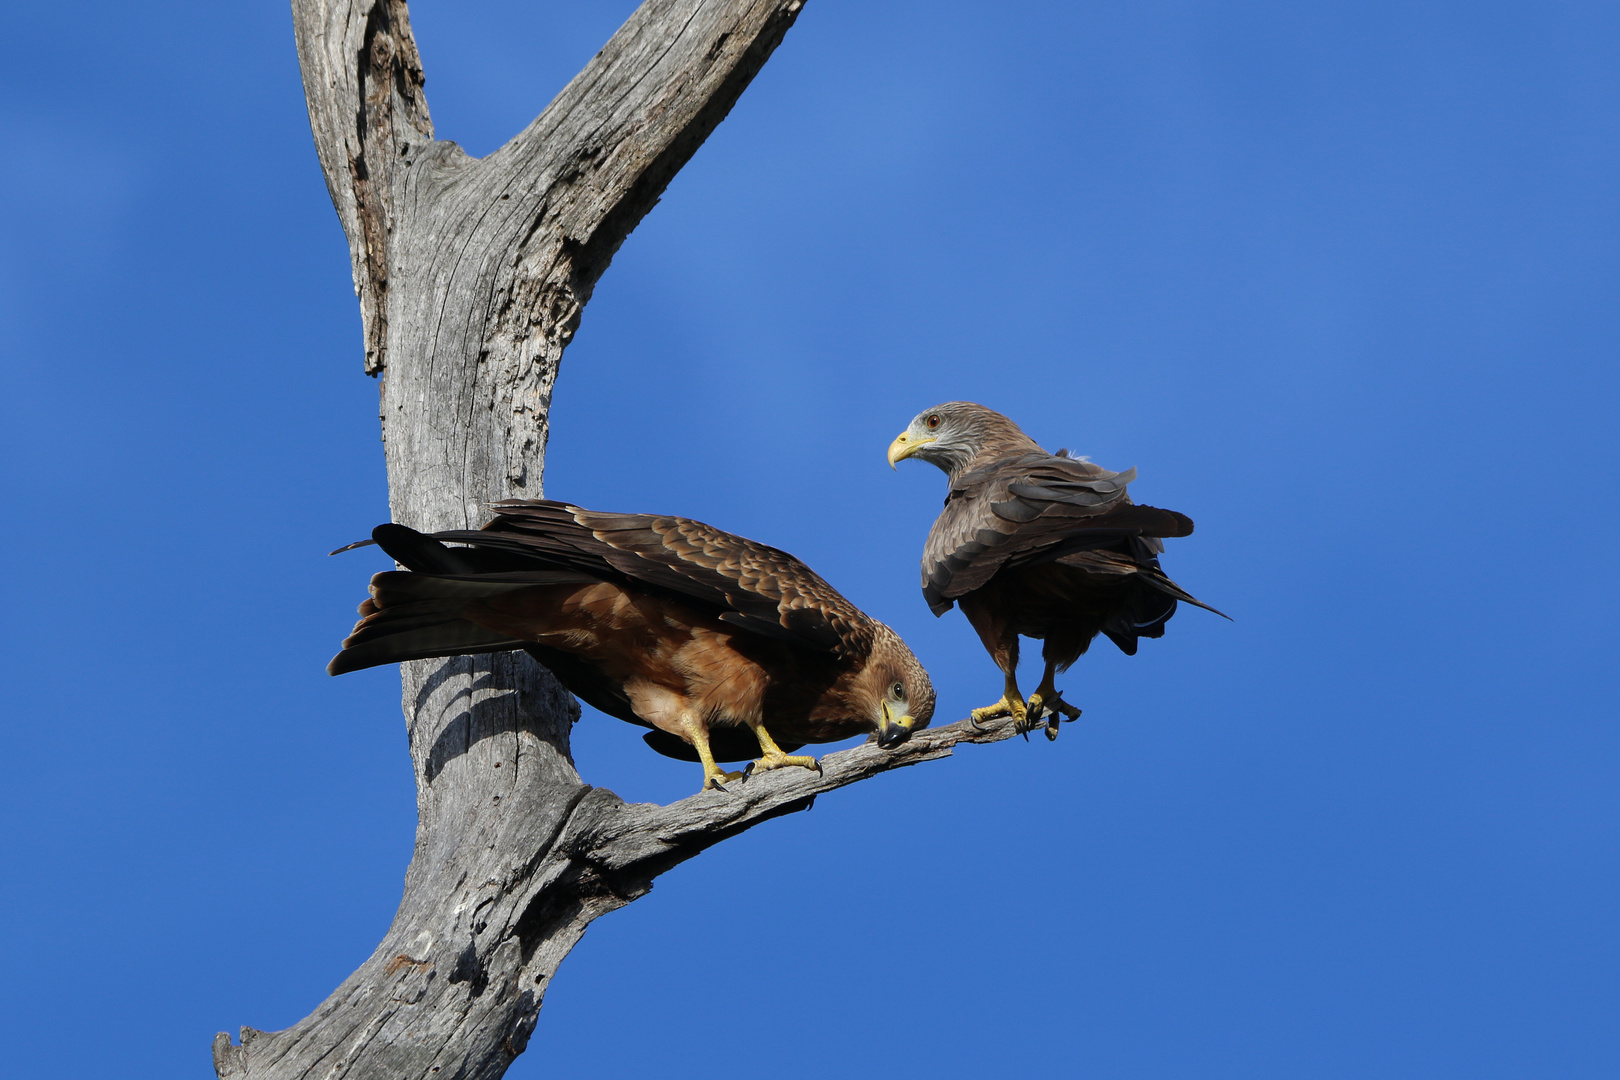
(471, 276)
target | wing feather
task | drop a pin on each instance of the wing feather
(755, 586)
(1028, 509)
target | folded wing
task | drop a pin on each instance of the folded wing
(1031, 509)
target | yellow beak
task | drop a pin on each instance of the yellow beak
(903, 447)
(892, 730)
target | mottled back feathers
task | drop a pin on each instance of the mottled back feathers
(754, 586)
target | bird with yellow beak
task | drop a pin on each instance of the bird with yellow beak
(1038, 545)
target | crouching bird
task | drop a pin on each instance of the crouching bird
(1039, 545)
(699, 634)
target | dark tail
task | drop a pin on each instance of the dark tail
(1170, 588)
(1152, 599)
(413, 616)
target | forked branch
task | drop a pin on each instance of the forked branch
(603, 854)
(471, 276)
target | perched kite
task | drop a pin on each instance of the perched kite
(1040, 545)
(701, 635)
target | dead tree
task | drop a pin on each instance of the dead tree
(471, 276)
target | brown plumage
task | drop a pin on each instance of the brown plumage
(1038, 545)
(668, 623)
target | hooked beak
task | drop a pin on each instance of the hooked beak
(904, 446)
(893, 730)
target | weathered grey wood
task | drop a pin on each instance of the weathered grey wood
(444, 1003)
(471, 276)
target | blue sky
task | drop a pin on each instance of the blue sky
(1338, 279)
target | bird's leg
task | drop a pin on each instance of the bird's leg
(1011, 704)
(1000, 640)
(772, 756)
(1047, 700)
(713, 775)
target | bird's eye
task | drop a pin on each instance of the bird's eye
(932, 422)
(897, 691)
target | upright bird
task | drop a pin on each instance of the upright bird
(668, 623)
(1039, 545)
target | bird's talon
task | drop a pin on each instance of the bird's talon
(1007, 706)
(1026, 725)
(782, 761)
(713, 781)
(1050, 706)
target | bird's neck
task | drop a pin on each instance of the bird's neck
(995, 447)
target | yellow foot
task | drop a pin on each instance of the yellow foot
(780, 760)
(1009, 705)
(715, 779)
(1055, 709)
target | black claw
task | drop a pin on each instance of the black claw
(818, 768)
(748, 770)
(1057, 711)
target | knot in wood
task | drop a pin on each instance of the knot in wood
(382, 50)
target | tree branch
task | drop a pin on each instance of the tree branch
(363, 81)
(471, 277)
(643, 840)
(601, 854)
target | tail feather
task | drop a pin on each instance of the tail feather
(401, 586)
(420, 552)
(1142, 613)
(427, 554)
(1170, 588)
(419, 612)
(416, 616)
(446, 639)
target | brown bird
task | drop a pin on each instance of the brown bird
(668, 623)
(1039, 545)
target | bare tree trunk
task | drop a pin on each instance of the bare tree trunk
(471, 276)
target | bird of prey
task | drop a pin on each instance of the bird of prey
(1040, 545)
(668, 623)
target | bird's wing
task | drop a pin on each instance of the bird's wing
(756, 587)
(1027, 509)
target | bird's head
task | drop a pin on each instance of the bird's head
(953, 434)
(894, 691)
